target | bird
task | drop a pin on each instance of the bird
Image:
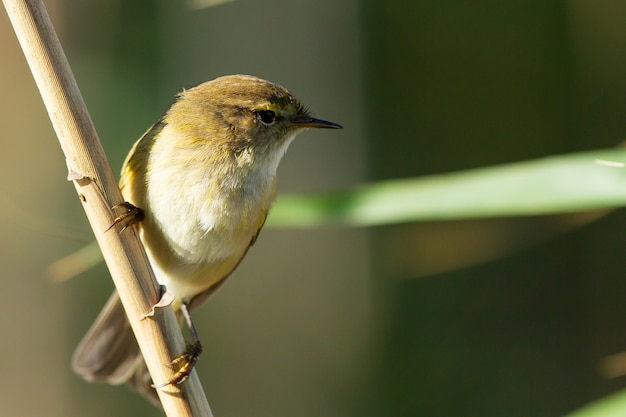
(199, 183)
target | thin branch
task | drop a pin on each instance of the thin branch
(159, 337)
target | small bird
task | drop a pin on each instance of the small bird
(203, 179)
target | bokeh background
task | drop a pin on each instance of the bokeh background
(406, 320)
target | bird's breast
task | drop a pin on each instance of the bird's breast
(197, 232)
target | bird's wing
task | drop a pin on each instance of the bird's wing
(135, 165)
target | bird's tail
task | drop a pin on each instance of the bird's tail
(109, 352)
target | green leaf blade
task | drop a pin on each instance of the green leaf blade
(558, 184)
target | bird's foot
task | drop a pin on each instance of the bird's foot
(130, 216)
(183, 365)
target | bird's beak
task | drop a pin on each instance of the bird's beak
(307, 121)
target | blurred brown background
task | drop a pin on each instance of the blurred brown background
(335, 322)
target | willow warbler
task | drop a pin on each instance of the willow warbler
(204, 177)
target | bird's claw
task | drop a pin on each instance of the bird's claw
(130, 216)
(183, 365)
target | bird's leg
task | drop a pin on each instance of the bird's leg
(185, 362)
(130, 216)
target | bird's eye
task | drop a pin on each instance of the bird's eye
(267, 117)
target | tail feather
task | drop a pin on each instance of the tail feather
(109, 352)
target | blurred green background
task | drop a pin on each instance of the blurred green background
(496, 317)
